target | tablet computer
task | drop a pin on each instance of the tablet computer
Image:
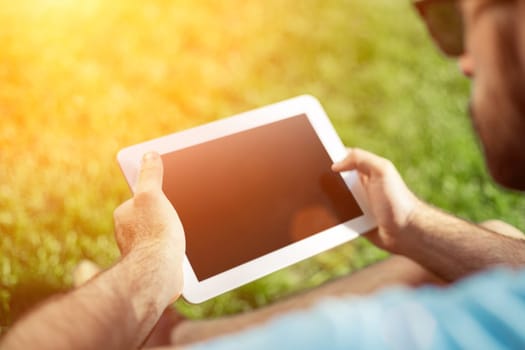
(255, 193)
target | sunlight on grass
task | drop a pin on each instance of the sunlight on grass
(80, 80)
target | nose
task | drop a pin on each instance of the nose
(466, 65)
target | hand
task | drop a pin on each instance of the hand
(390, 200)
(148, 222)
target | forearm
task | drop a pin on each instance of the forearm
(453, 248)
(130, 296)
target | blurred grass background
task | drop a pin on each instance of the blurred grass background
(80, 80)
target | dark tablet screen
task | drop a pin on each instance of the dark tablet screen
(245, 195)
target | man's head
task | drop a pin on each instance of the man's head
(492, 53)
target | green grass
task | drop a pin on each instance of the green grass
(79, 82)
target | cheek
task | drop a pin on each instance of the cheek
(483, 120)
(498, 95)
(499, 123)
(483, 110)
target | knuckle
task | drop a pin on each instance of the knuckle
(387, 166)
(147, 170)
(145, 198)
(117, 214)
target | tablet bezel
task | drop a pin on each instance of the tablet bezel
(196, 291)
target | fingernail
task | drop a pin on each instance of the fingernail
(149, 156)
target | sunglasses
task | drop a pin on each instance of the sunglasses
(444, 22)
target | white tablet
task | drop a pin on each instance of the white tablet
(255, 193)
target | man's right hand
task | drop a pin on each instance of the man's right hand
(390, 200)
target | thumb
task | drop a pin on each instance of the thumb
(363, 161)
(151, 173)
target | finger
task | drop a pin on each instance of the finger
(363, 161)
(363, 178)
(151, 173)
(343, 164)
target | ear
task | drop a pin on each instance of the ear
(466, 65)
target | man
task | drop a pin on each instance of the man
(118, 308)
